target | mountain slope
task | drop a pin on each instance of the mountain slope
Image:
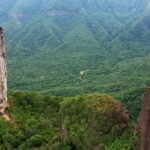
(49, 42)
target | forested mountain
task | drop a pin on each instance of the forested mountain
(49, 44)
(50, 41)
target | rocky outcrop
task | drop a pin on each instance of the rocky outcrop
(144, 121)
(3, 74)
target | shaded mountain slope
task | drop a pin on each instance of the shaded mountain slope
(62, 38)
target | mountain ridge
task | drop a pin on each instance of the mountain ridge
(63, 38)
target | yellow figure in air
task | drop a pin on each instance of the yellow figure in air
(82, 74)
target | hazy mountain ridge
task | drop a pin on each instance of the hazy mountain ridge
(64, 37)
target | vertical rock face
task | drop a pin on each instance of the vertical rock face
(144, 121)
(3, 74)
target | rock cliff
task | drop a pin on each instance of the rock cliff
(144, 121)
(3, 74)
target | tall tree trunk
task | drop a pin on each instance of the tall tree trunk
(3, 74)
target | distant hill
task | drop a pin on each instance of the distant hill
(50, 41)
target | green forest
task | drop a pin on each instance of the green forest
(91, 121)
(49, 44)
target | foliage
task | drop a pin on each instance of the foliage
(93, 120)
(37, 121)
(133, 101)
(126, 141)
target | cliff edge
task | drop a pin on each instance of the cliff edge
(3, 74)
(144, 121)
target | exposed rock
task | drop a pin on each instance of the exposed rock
(144, 121)
(3, 74)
